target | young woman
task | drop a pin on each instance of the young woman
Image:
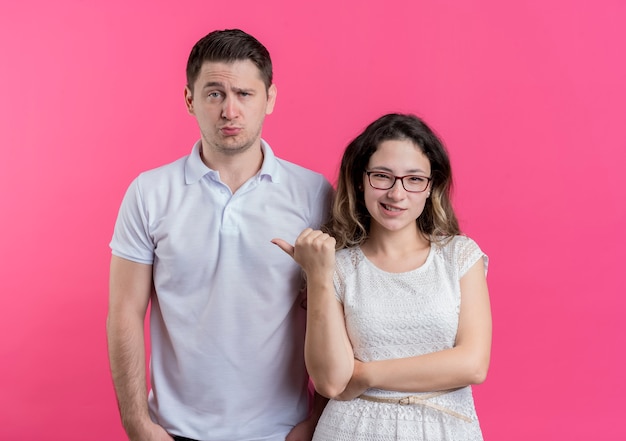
(398, 319)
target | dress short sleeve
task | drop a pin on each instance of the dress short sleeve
(345, 265)
(467, 254)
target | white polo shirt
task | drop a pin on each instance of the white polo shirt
(227, 326)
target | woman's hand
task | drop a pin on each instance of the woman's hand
(314, 251)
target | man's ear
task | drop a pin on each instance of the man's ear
(189, 100)
(271, 99)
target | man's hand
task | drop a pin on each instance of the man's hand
(149, 432)
(303, 431)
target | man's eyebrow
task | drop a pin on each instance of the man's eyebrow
(212, 84)
(220, 85)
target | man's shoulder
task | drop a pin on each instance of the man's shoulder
(295, 171)
(174, 169)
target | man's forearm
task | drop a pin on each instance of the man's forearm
(128, 369)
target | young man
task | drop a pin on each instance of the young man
(192, 239)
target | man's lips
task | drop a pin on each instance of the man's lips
(230, 130)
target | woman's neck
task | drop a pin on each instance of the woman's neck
(396, 251)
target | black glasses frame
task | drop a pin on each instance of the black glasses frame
(395, 178)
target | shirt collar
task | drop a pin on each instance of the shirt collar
(195, 169)
(269, 168)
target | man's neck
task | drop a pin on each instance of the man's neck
(234, 169)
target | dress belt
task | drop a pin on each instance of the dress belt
(419, 399)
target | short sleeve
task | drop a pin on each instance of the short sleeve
(468, 252)
(325, 194)
(131, 239)
(338, 288)
(342, 269)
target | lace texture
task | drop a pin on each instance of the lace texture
(397, 315)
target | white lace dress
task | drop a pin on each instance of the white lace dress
(397, 315)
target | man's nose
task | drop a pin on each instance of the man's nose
(229, 108)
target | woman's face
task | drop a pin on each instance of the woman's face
(396, 209)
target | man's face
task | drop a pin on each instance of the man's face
(229, 101)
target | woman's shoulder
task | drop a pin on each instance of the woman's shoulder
(454, 244)
(460, 251)
(348, 259)
(350, 254)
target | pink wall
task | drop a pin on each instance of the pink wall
(530, 97)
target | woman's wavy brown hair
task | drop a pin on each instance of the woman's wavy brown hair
(350, 221)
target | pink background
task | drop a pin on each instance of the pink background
(530, 97)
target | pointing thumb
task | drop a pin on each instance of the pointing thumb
(283, 245)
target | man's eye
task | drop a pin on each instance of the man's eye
(214, 95)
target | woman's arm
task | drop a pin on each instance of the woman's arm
(464, 364)
(328, 352)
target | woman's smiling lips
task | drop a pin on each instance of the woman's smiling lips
(391, 208)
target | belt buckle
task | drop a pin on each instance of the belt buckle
(407, 400)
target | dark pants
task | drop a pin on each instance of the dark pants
(182, 438)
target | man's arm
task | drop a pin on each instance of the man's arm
(130, 286)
